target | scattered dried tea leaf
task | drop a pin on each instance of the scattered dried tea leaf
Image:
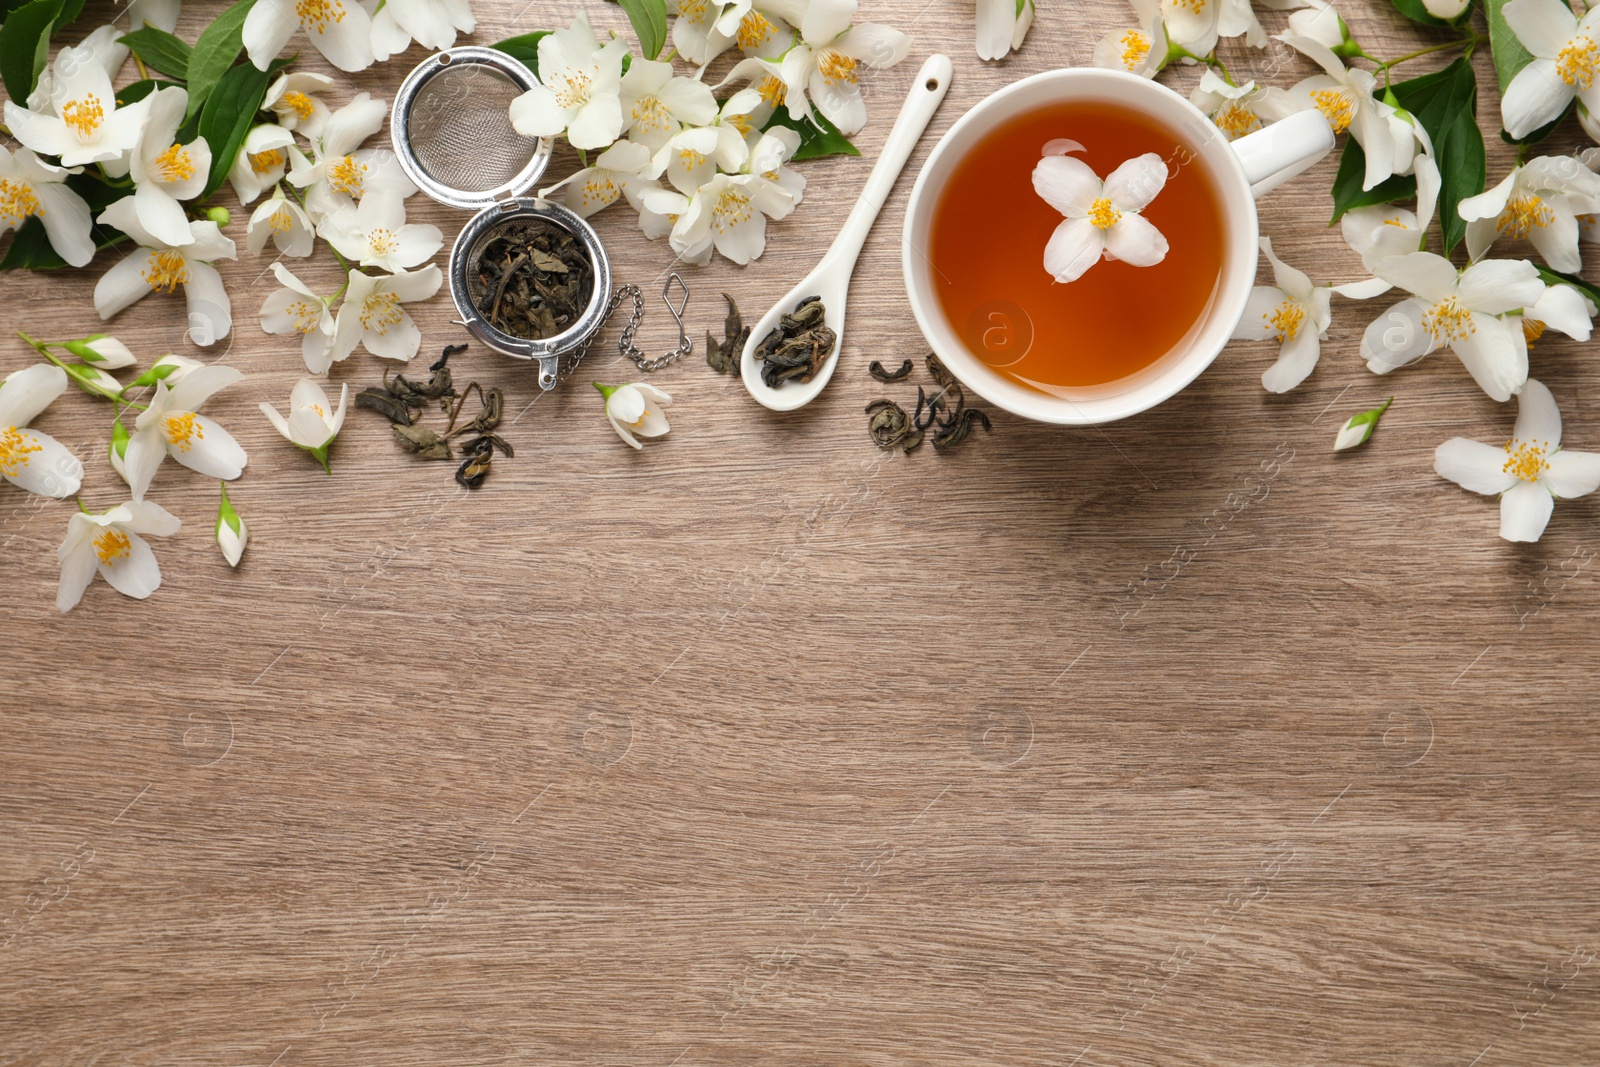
(421, 440)
(876, 370)
(384, 403)
(798, 346)
(724, 355)
(888, 423)
(956, 430)
(944, 414)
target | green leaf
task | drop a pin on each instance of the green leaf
(25, 46)
(1509, 55)
(818, 136)
(30, 248)
(136, 91)
(524, 49)
(1359, 427)
(160, 51)
(649, 18)
(1446, 103)
(229, 113)
(1347, 191)
(219, 45)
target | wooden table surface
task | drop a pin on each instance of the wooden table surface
(762, 746)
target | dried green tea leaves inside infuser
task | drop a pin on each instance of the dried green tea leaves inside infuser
(724, 356)
(533, 279)
(799, 345)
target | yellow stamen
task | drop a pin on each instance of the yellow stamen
(599, 189)
(1338, 106)
(1532, 329)
(649, 113)
(836, 67)
(755, 30)
(572, 88)
(302, 105)
(1194, 7)
(174, 165)
(166, 270)
(1102, 214)
(1526, 459)
(317, 15)
(689, 159)
(281, 220)
(1577, 61)
(743, 123)
(17, 203)
(693, 10)
(318, 409)
(182, 429)
(1287, 320)
(381, 241)
(270, 160)
(1135, 47)
(1235, 119)
(15, 447)
(1522, 214)
(347, 175)
(111, 544)
(381, 311)
(1448, 321)
(1396, 223)
(772, 90)
(306, 314)
(731, 209)
(84, 116)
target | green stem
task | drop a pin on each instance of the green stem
(1468, 43)
(1209, 60)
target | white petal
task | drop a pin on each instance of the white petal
(28, 391)
(134, 574)
(44, 467)
(744, 241)
(201, 384)
(1557, 241)
(146, 449)
(211, 451)
(1136, 182)
(1431, 277)
(1573, 474)
(1473, 465)
(1497, 286)
(267, 28)
(209, 309)
(279, 423)
(1135, 240)
(1489, 203)
(1543, 26)
(1495, 354)
(67, 222)
(122, 283)
(597, 123)
(345, 42)
(1535, 97)
(537, 114)
(1069, 185)
(1525, 511)
(148, 517)
(1256, 322)
(1396, 337)
(1296, 361)
(1564, 308)
(1074, 247)
(77, 569)
(995, 21)
(1289, 279)
(1538, 418)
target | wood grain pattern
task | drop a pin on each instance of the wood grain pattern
(760, 746)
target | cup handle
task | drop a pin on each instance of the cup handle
(1273, 155)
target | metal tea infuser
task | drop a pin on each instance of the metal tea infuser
(451, 129)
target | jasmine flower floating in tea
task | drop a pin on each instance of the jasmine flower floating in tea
(1103, 218)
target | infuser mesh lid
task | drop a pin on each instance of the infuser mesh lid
(451, 126)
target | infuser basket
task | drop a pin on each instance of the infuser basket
(451, 129)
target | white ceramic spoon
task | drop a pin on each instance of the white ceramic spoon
(831, 278)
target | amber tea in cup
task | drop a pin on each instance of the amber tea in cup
(989, 231)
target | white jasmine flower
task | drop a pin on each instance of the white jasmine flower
(339, 171)
(659, 211)
(340, 30)
(431, 23)
(729, 213)
(749, 109)
(1345, 98)
(282, 220)
(261, 161)
(157, 267)
(635, 410)
(103, 48)
(768, 156)
(32, 188)
(169, 368)
(102, 350)
(579, 90)
(694, 31)
(1460, 310)
(621, 170)
(1529, 473)
(1228, 106)
(113, 543)
(232, 533)
(1102, 218)
(1196, 24)
(827, 62)
(1141, 50)
(296, 308)
(93, 380)
(30, 459)
(1541, 201)
(295, 99)
(1320, 22)
(165, 173)
(1296, 314)
(758, 33)
(172, 426)
(1566, 58)
(1002, 25)
(83, 123)
(1379, 231)
(373, 314)
(313, 422)
(692, 158)
(656, 104)
(376, 233)
(1563, 308)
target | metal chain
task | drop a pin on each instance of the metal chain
(625, 345)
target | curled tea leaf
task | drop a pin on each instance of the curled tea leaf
(876, 370)
(798, 346)
(887, 424)
(724, 355)
(957, 429)
(384, 403)
(421, 440)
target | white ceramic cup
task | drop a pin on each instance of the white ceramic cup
(1241, 171)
